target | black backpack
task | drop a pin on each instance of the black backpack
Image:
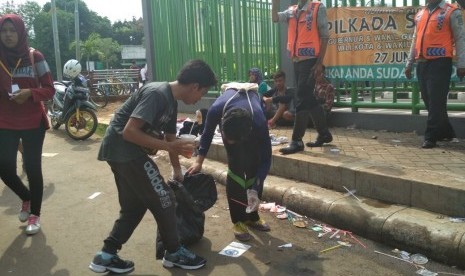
(195, 195)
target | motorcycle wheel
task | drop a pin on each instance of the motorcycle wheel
(84, 127)
(54, 121)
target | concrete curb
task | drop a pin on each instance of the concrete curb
(432, 191)
(402, 227)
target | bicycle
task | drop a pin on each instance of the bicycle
(98, 96)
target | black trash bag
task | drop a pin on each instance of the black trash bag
(194, 196)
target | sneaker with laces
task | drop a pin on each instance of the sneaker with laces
(184, 259)
(25, 211)
(104, 262)
(241, 232)
(260, 225)
(33, 225)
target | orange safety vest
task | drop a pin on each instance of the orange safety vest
(434, 34)
(303, 38)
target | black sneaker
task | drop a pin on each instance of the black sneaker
(114, 264)
(184, 259)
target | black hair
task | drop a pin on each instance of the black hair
(236, 124)
(197, 71)
(279, 74)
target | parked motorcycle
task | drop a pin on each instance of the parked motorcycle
(71, 106)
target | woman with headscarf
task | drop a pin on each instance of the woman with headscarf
(256, 76)
(25, 81)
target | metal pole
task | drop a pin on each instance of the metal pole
(149, 32)
(76, 30)
(56, 42)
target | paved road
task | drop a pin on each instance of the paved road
(73, 226)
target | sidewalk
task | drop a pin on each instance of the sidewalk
(400, 149)
(406, 193)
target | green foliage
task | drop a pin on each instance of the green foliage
(28, 11)
(99, 39)
(129, 32)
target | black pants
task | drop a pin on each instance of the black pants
(305, 98)
(243, 161)
(33, 141)
(434, 79)
(141, 187)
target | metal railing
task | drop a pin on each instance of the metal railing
(235, 35)
(114, 81)
(230, 35)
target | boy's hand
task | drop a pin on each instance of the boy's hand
(182, 147)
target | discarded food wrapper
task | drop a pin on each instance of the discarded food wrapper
(282, 216)
(277, 209)
(267, 206)
(426, 272)
(348, 244)
(317, 228)
(299, 223)
(457, 219)
(287, 245)
(294, 213)
(327, 229)
(404, 255)
(419, 259)
(234, 249)
(278, 140)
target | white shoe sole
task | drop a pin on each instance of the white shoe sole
(32, 229)
(101, 269)
(168, 264)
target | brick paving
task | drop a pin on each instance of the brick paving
(401, 149)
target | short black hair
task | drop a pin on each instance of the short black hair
(236, 124)
(279, 74)
(197, 71)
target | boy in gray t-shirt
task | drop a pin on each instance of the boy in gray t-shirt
(146, 122)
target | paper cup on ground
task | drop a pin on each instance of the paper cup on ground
(190, 138)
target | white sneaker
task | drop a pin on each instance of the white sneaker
(33, 225)
(25, 211)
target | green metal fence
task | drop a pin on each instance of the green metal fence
(369, 94)
(236, 35)
(231, 35)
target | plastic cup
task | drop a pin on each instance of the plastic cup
(190, 138)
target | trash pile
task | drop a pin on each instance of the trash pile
(275, 141)
(343, 238)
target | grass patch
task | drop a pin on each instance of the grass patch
(101, 128)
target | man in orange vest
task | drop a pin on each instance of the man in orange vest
(438, 30)
(308, 36)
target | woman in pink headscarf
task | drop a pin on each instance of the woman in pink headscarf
(25, 81)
